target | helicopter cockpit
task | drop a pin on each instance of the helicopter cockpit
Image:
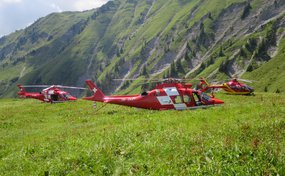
(205, 97)
(66, 96)
(201, 98)
(249, 88)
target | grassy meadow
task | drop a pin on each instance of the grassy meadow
(245, 136)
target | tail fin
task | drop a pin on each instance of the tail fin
(22, 90)
(97, 93)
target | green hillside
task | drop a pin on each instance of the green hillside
(149, 38)
(245, 136)
(271, 76)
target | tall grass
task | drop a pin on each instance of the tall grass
(243, 137)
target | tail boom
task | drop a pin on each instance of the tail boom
(204, 85)
(22, 91)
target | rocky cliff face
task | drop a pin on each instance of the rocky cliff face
(147, 38)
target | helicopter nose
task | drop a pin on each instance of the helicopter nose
(251, 90)
(217, 101)
(72, 98)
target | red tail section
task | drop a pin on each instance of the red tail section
(97, 93)
(22, 90)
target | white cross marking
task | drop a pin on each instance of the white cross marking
(94, 90)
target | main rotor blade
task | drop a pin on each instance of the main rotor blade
(58, 86)
(131, 79)
(127, 79)
(245, 80)
(162, 79)
(41, 86)
(69, 87)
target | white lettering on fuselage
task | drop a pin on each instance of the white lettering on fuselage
(130, 99)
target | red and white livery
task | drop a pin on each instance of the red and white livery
(51, 94)
(171, 94)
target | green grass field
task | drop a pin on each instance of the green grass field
(245, 136)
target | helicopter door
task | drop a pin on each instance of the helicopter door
(178, 103)
(62, 97)
(178, 100)
(197, 99)
(54, 97)
(187, 100)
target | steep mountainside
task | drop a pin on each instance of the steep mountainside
(150, 38)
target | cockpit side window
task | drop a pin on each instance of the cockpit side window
(186, 98)
(197, 99)
(178, 100)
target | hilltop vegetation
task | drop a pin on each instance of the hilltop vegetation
(245, 136)
(149, 38)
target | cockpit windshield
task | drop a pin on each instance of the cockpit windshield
(205, 97)
(248, 88)
(66, 96)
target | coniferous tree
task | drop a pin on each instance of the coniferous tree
(172, 71)
(221, 53)
(144, 71)
(186, 57)
(246, 11)
(179, 66)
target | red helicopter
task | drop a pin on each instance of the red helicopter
(51, 94)
(231, 87)
(171, 94)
